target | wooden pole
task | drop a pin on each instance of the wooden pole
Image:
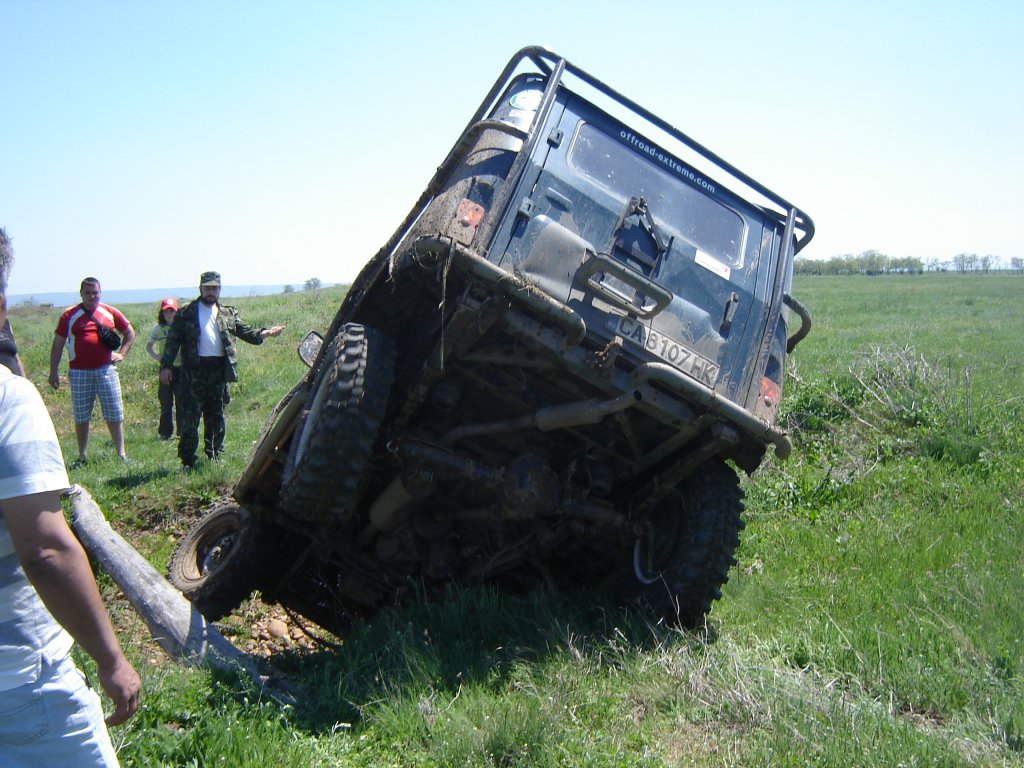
(172, 620)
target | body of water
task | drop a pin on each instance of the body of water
(146, 295)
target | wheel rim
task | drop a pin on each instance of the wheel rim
(215, 555)
(653, 548)
(215, 548)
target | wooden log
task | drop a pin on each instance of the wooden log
(173, 622)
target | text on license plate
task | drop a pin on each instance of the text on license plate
(669, 350)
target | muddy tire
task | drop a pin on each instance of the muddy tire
(682, 559)
(336, 433)
(216, 565)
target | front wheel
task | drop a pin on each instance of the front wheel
(216, 564)
(683, 555)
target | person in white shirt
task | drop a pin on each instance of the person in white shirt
(48, 598)
(202, 338)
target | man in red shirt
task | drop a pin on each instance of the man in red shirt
(91, 365)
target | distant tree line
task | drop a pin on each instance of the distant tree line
(312, 284)
(877, 263)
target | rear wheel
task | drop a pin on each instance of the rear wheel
(216, 564)
(683, 557)
(335, 436)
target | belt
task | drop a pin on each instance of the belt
(210, 361)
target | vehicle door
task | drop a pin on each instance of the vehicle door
(645, 247)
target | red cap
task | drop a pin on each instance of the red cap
(169, 304)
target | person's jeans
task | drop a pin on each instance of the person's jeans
(55, 722)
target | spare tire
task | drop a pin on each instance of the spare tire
(336, 434)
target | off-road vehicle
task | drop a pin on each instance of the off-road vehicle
(548, 375)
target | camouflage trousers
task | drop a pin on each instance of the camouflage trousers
(201, 398)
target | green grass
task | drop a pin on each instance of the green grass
(874, 619)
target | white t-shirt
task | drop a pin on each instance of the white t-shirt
(30, 462)
(210, 343)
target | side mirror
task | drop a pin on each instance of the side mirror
(309, 348)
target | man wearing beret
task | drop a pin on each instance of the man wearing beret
(201, 337)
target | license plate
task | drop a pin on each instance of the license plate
(669, 350)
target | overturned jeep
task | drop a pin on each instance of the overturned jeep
(549, 375)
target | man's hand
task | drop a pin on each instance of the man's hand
(121, 683)
(54, 380)
(116, 357)
(274, 331)
(58, 568)
(166, 376)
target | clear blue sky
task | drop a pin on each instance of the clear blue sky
(145, 142)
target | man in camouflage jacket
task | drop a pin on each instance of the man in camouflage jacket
(202, 336)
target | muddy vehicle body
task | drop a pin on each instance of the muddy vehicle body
(551, 373)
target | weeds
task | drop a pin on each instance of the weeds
(875, 617)
(891, 404)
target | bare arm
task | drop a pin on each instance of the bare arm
(126, 344)
(56, 352)
(57, 566)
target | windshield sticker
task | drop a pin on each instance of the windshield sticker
(528, 100)
(667, 160)
(712, 264)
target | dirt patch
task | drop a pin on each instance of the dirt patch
(262, 630)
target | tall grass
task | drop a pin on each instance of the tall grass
(874, 618)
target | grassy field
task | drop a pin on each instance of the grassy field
(875, 617)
